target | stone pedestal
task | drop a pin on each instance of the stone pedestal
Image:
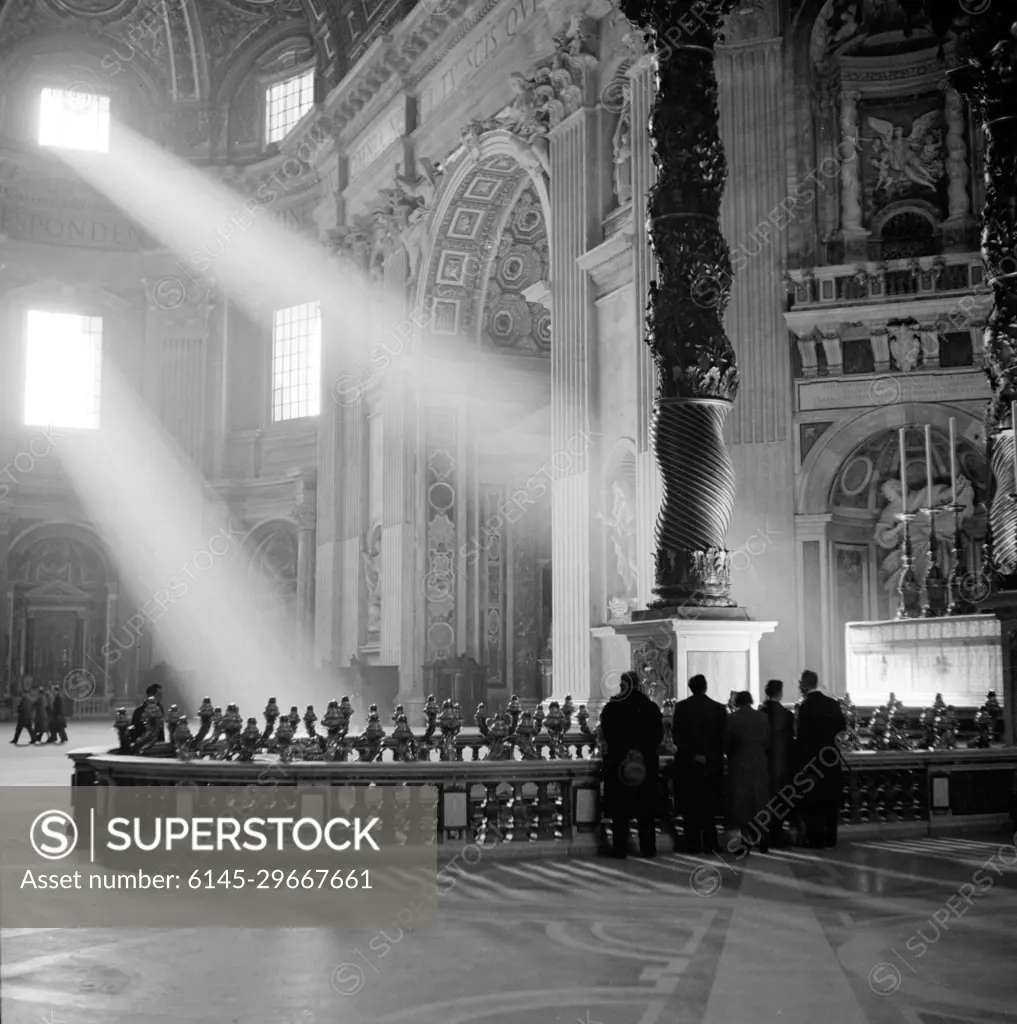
(610, 656)
(722, 644)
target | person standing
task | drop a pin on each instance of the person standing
(747, 746)
(57, 719)
(39, 714)
(632, 727)
(24, 715)
(698, 730)
(820, 721)
(138, 718)
(782, 739)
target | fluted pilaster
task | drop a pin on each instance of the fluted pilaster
(648, 480)
(572, 155)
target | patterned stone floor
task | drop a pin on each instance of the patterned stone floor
(886, 931)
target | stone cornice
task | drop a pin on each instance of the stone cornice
(962, 310)
(414, 48)
(608, 262)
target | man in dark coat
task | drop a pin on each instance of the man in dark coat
(818, 758)
(632, 727)
(57, 719)
(782, 740)
(747, 746)
(698, 731)
(138, 718)
(25, 714)
(40, 714)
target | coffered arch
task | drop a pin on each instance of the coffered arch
(490, 185)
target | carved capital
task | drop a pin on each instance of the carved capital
(306, 517)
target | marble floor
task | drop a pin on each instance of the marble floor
(891, 931)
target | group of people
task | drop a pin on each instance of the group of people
(780, 767)
(41, 714)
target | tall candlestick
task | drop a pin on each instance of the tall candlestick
(953, 461)
(903, 470)
(928, 466)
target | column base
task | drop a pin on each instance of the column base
(720, 643)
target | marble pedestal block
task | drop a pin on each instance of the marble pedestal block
(721, 644)
(610, 656)
(960, 657)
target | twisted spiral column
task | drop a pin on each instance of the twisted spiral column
(1003, 509)
(692, 565)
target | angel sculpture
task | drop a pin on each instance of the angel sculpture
(421, 189)
(916, 159)
(889, 529)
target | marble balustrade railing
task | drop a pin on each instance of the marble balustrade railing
(543, 806)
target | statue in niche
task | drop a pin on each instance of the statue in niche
(371, 557)
(623, 152)
(889, 530)
(905, 162)
(621, 533)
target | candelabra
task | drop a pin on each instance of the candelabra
(935, 587)
(907, 585)
(957, 603)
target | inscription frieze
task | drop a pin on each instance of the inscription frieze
(477, 50)
(391, 128)
(891, 389)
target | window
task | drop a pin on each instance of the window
(286, 103)
(74, 119)
(63, 371)
(296, 362)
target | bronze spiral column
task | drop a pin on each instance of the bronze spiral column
(697, 379)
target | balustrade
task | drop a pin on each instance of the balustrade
(527, 781)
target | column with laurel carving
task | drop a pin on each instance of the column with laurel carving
(696, 374)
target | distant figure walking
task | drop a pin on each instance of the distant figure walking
(747, 745)
(698, 730)
(633, 728)
(820, 721)
(782, 741)
(40, 715)
(24, 717)
(57, 720)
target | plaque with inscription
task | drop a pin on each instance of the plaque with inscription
(874, 390)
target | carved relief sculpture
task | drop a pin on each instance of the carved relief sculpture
(621, 538)
(623, 152)
(889, 529)
(371, 558)
(903, 162)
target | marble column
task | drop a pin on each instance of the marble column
(306, 516)
(573, 152)
(958, 227)
(339, 393)
(855, 236)
(648, 480)
(6, 630)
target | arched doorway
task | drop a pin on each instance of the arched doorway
(62, 600)
(484, 407)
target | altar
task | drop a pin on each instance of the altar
(958, 656)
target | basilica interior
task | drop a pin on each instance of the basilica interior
(331, 364)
